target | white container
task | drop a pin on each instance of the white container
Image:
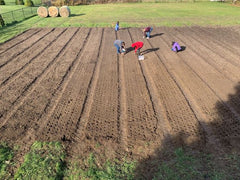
(140, 58)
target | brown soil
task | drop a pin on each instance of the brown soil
(69, 85)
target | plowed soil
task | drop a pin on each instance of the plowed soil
(69, 85)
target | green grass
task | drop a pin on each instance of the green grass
(6, 155)
(111, 170)
(12, 2)
(190, 165)
(8, 8)
(136, 15)
(44, 161)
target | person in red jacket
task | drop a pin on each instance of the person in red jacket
(137, 46)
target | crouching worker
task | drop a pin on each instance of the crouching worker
(175, 47)
(120, 45)
(147, 31)
(137, 46)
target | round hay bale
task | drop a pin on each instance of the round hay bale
(53, 11)
(64, 11)
(42, 11)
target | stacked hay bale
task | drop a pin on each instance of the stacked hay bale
(64, 11)
(42, 11)
(53, 11)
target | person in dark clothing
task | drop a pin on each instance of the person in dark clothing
(147, 31)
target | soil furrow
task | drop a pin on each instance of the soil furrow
(102, 121)
(220, 85)
(66, 108)
(183, 121)
(200, 92)
(230, 40)
(144, 105)
(215, 61)
(50, 126)
(220, 48)
(88, 100)
(30, 79)
(17, 39)
(224, 64)
(7, 56)
(19, 63)
(10, 88)
(122, 100)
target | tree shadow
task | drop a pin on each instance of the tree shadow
(215, 153)
(158, 34)
(149, 50)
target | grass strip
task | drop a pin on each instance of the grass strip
(44, 161)
(6, 155)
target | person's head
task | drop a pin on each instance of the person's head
(123, 44)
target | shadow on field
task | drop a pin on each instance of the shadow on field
(129, 49)
(73, 15)
(149, 50)
(158, 34)
(214, 154)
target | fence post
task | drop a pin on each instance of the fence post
(23, 13)
(13, 16)
(1, 21)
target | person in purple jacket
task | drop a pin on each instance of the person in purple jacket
(175, 47)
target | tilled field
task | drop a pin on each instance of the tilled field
(69, 85)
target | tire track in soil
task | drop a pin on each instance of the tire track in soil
(79, 137)
(19, 63)
(66, 109)
(236, 29)
(180, 115)
(103, 114)
(232, 41)
(142, 119)
(221, 65)
(214, 79)
(203, 99)
(231, 53)
(98, 121)
(20, 38)
(50, 125)
(34, 76)
(8, 56)
(10, 89)
(228, 33)
(122, 102)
